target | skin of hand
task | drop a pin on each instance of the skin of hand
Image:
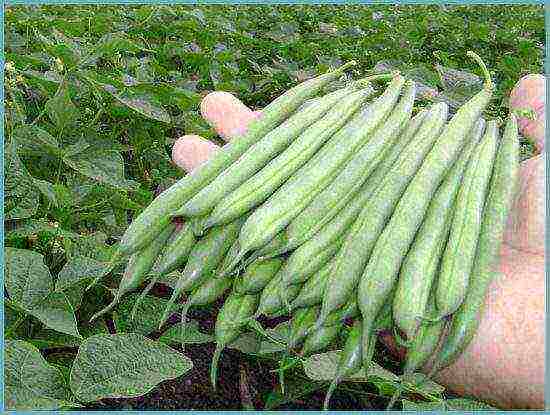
(504, 364)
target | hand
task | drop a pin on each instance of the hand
(504, 364)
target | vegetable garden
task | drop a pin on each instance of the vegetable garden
(262, 279)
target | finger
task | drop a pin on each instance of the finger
(530, 93)
(190, 151)
(525, 230)
(226, 114)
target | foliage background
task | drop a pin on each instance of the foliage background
(96, 96)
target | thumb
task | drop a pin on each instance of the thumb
(190, 151)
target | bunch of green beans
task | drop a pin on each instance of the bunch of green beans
(343, 208)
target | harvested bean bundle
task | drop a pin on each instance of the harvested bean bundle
(350, 205)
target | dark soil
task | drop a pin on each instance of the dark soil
(244, 382)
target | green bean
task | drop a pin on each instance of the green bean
(353, 175)
(177, 250)
(297, 192)
(148, 225)
(231, 320)
(313, 289)
(261, 185)
(359, 243)
(502, 190)
(422, 260)
(338, 225)
(464, 234)
(204, 259)
(138, 267)
(259, 154)
(379, 276)
(257, 275)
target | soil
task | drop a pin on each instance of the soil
(244, 382)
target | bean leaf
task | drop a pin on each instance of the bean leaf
(147, 317)
(30, 285)
(31, 383)
(103, 166)
(61, 109)
(323, 367)
(459, 404)
(186, 333)
(80, 268)
(34, 140)
(21, 196)
(28, 280)
(123, 366)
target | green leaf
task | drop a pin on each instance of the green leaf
(123, 366)
(147, 317)
(80, 268)
(57, 313)
(34, 140)
(422, 406)
(186, 333)
(48, 190)
(58, 49)
(103, 166)
(109, 45)
(143, 104)
(27, 279)
(460, 404)
(61, 109)
(295, 388)
(247, 343)
(463, 404)
(419, 383)
(323, 366)
(280, 333)
(75, 293)
(29, 284)
(51, 339)
(91, 246)
(31, 383)
(21, 197)
(12, 318)
(33, 227)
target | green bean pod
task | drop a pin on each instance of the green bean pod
(338, 225)
(319, 340)
(258, 155)
(231, 320)
(257, 275)
(300, 265)
(261, 185)
(502, 191)
(425, 341)
(359, 243)
(353, 174)
(177, 250)
(422, 261)
(302, 320)
(380, 275)
(271, 299)
(313, 289)
(453, 279)
(149, 223)
(298, 191)
(204, 259)
(138, 268)
(350, 360)
(205, 294)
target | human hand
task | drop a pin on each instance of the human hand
(504, 364)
